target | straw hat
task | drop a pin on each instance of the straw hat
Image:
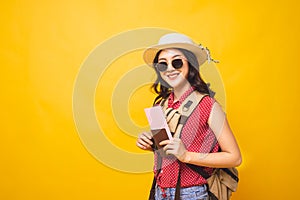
(177, 40)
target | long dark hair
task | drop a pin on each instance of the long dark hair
(163, 89)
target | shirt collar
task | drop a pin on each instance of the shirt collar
(171, 102)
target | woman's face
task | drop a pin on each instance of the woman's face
(176, 78)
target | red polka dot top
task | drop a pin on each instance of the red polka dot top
(197, 137)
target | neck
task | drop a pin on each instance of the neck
(180, 90)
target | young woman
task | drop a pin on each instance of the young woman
(206, 139)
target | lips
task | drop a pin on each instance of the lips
(173, 75)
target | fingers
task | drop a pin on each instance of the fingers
(147, 135)
(169, 146)
(173, 141)
(173, 147)
(144, 141)
(164, 142)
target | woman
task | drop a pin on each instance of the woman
(206, 139)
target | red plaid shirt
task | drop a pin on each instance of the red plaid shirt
(197, 137)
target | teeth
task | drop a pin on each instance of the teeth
(172, 75)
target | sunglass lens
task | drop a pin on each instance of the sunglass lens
(177, 63)
(162, 66)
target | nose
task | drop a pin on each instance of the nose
(170, 66)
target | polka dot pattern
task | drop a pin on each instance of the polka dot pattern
(197, 137)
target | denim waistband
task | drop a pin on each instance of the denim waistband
(191, 193)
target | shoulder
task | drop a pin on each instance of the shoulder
(211, 105)
(206, 99)
(205, 104)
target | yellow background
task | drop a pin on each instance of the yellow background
(43, 44)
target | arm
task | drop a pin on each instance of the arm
(230, 155)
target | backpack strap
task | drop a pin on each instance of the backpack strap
(176, 118)
(186, 109)
(158, 169)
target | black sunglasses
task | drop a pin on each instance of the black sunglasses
(163, 66)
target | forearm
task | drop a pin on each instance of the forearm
(214, 160)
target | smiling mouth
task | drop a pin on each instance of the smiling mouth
(173, 75)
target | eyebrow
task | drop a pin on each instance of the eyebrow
(171, 57)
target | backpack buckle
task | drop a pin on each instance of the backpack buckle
(187, 106)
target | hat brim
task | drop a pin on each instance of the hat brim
(150, 53)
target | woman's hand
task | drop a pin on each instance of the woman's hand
(144, 141)
(174, 147)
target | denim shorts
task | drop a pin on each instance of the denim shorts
(189, 193)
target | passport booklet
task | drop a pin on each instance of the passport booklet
(158, 124)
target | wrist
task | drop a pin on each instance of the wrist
(186, 157)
